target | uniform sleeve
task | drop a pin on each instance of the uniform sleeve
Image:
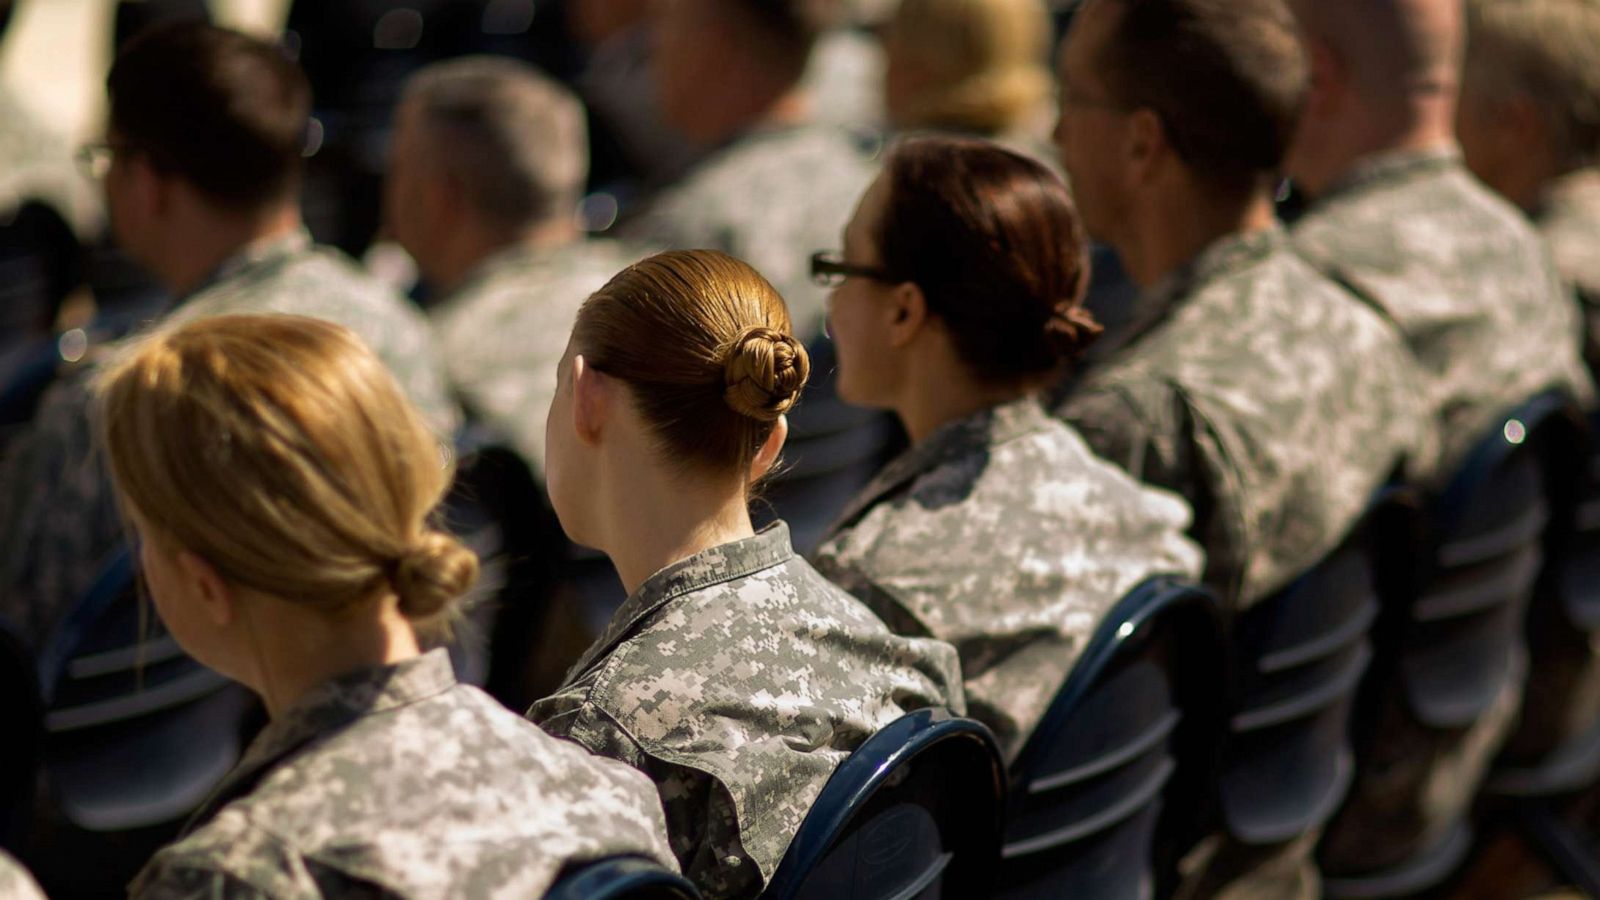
(194, 882)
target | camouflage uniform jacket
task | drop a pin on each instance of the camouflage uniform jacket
(506, 326)
(1274, 402)
(1568, 216)
(771, 198)
(738, 679)
(15, 881)
(58, 520)
(398, 780)
(1004, 535)
(1465, 279)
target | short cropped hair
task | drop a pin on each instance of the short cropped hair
(513, 139)
(790, 27)
(1228, 79)
(1549, 52)
(225, 111)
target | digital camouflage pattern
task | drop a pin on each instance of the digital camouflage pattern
(15, 882)
(1568, 218)
(397, 780)
(1271, 400)
(771, 198)
(738, 679)
(1004, 535)
(58, 520)
(505, 328)
(1464, 278)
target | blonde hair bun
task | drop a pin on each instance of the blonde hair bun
(432, 573)
(763, 373)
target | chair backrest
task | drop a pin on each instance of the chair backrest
(1090, 789)
(1299, 658)
(622, 878)
(21, 710)
(913, 814)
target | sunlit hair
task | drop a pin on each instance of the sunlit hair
(705, 345)
(280, 450)
(1549, 52)
(984, 61)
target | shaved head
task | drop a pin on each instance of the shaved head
(1390, 47)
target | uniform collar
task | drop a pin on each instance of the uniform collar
(327, 708)
(263, 256)
(1381, 169)
(950, 442)
(728, 562)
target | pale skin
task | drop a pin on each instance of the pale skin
(427, 211)
(613, 488)
(894, 353)
(167, 225)
(278, 647)
(1132, 188)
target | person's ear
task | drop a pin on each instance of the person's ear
(1145, 144)
(767, 456)
(216, 597)
(591, 400)
(907, 310)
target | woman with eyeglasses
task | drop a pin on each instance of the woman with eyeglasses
(733, 675)
(957, 296)
(282, 489)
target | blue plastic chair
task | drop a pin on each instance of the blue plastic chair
(1104, 792)
(1461, 643)
(913, 814)
(622, 878)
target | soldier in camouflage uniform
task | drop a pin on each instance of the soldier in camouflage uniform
(778, 185)
(1396, 217)
(734, 675)
(287, 544)
(1529, 128)
(998, 530)
(397, 778)
(15, 882)
(488, 163)
(238, 247)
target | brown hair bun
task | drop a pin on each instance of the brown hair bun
(433, 572)
(763, 373)
(1071, 329)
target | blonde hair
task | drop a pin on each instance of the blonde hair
(282, 451)
(1548, 51)
(986, 59)
(704, 343)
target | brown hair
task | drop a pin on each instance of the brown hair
(705, 344)
(1226, 77)
(281, 451)
(1548, 51)
(985, 59)
(994, 242)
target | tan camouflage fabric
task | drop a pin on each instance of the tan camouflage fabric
(398, 781)
(1465, 279)
(58, 520)
(1275, 403)
(738, 679)
(504, 329)
(1004, 535)
(771, 198)
(15, 881)
(1568, 218)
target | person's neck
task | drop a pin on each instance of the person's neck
(1180, 224)
(942, 392)
(1421, 129)
(656, 520)
(211, 239)
(298, 649)
(456, 261)
(775, 106)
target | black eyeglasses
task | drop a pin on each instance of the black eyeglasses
(830, 270)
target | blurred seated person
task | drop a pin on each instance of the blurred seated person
(487, 165)
(971, 66)
(998, 530)
(282, 487)
(1395, 216)
(776, 185)
(202, 169)
(1529, 125)
(734, 675)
